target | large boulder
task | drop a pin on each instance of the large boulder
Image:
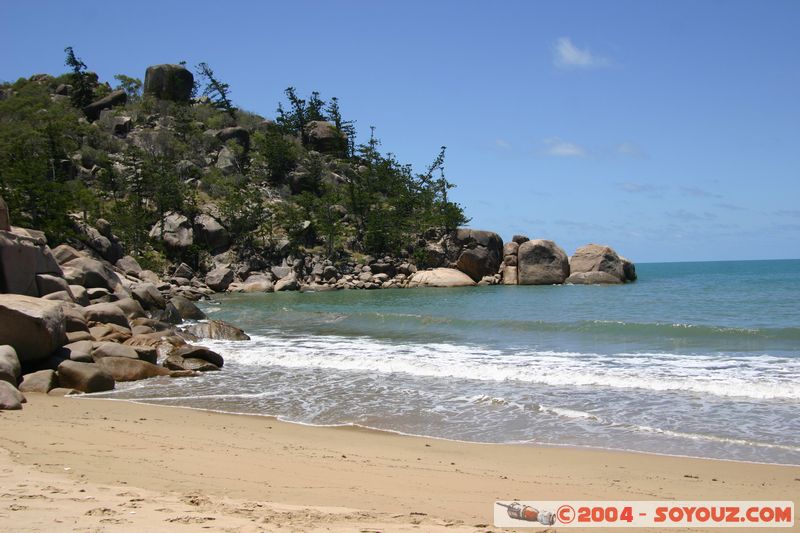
(174, 230)
(42, 381)
(92, 274)
(131, 307)
(22, 257)
(541, 262)
(217, 330)
(50, 283)
(219, 279)
(325, 137)
(210, 232)
(169, 82)
(107, 246)
(148, 296)
(593, 278)
(509, 273)
(478, 253)
(92, 111)
(477, 263)
(129, 265)
(227, 161)
(287, 283)
(126, 369)
(440, 277)
(80, 351)
(191, 364)
(10, 369)
(85, 377)
(10, 398)
(628, 268)
(237, 133)
(64, 253)
(106, 313)
(35, 328)
(200, 352)
(112, 349)
(186, 308)
(597, 258)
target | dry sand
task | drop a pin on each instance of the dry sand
(77, 464)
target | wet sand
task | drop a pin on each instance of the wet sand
(77, 464)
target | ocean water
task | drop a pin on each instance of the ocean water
(696, 359)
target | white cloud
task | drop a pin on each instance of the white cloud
(559, 148)
(630, 149)
(566, 55)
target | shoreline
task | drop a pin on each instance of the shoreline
(339, 478)
(360, 427)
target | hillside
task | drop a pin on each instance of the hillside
(181, 175)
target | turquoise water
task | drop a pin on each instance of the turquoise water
(699, 359)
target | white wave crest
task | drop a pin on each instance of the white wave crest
(757, 377)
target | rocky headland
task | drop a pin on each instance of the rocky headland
(154, 198)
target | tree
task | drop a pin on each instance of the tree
(217, 91)
(347, 127)
(131, 86)
(37, 137)
(82, 88)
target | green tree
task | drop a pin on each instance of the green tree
(82, 88)
(216, 90)
(37, 137)
(131, 86)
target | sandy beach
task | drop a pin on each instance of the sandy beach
(72, 464)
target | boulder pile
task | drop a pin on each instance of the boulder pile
(73, 322)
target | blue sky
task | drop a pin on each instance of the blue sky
(669, 130)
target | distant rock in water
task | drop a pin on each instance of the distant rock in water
(481, 252)
(602, 259)
(440, 277)
(541, 262)
(592, 278)
(217, 330)
(169, 82)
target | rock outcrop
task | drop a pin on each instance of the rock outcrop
(85, 377)
(597, 258)
(210, 232)
(128, 369)
(593, 278)
(42, 381)
(169, 82)
(10, 369)
(175, 231)
(91, 273)
(324, 137)
(441, 277)
(10, 398)
(34, 327)
(541, 262)
(217, 330)
(22, 258)
(92, 111)
(220, 278)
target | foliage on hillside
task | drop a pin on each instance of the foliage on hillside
(151, 157)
